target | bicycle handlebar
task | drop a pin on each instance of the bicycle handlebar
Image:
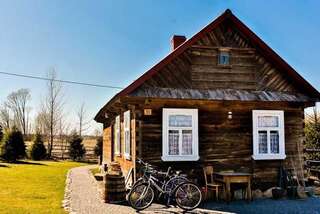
(151, 170)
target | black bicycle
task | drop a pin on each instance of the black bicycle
(175, 188)
(170, 179)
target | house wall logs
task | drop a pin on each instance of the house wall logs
(225, 143)
(250, 82)
(108, 144)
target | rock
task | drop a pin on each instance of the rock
(277, 193)
(98, 176)
(317, 191)
(310, 190)
(257, 194)
(268, 192)
(301, 192)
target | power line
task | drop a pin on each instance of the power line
(62, 81)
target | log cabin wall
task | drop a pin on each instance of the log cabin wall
(108, 144)
(253, 80)
(224, 143)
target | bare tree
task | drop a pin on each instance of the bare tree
(314, 116)
(98, 131)
(41, 123)
(17, 102)
(82, 121)
(64, 130)
(52, 107)
(5, 119)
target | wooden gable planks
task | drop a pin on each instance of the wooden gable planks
(198, 66)
(175, 74)
(241, 37)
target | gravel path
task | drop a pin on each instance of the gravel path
(85, 199)
(82, 190)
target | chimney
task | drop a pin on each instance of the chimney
(177, 40)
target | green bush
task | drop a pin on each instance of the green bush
(98, 147)
(76, 149)
(312, 133)
(38, 151)
(12, 146)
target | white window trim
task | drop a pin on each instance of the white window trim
(269, 156)
(117, 144)
(126, 116)
(165, 137)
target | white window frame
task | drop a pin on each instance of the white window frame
(117, 136)
(165, 136)
(126, 125)
(268, 156)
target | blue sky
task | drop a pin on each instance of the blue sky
(114, 42)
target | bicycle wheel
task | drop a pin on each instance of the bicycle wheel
(173, 182)
(188, 196)
(140, 180)
(141, 196)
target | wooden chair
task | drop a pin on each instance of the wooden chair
(209, 182)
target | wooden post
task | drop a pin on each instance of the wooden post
(133, 142)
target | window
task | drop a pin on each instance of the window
(116, 141)
(224, 58)
(268, 135)
(127, 141)
(180, 135)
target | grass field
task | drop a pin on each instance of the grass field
(33, 187)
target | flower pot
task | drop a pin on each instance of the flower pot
(292, 192)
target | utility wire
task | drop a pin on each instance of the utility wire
(62, 81)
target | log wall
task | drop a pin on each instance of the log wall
(227, 144)
(108, 144)
(224, 143)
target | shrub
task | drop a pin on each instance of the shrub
(38, 150)
(1, 132)
(312, 140)
(98, 147)
(76, 149)
(12, 146)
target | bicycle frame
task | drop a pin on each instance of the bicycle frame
(154, 181)
(166, 186)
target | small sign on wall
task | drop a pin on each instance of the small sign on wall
(147, 111)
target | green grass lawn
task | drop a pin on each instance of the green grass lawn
(95, 170)
(33, 187)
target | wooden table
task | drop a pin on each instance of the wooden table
(234, 177)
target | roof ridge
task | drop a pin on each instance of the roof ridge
(265, 50)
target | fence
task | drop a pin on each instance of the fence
(60, 149)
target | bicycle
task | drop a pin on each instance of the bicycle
(171, 178)
(186, 194)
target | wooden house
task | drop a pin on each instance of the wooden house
(222, 97)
